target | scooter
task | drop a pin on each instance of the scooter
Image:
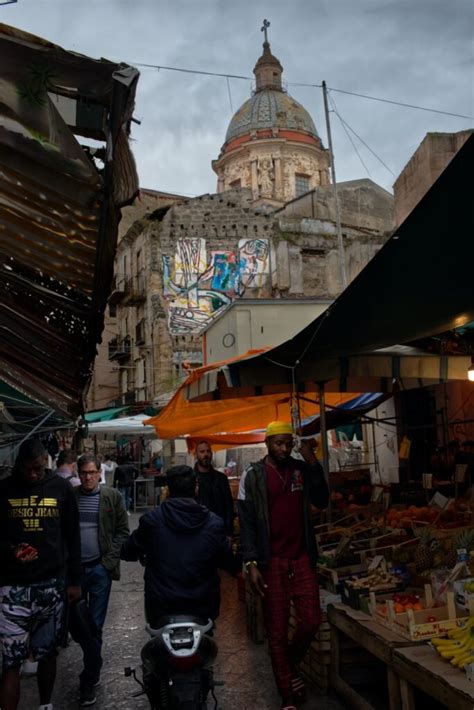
(177, 664)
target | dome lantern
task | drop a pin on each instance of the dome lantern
(268, 69)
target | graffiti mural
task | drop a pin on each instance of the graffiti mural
(254, 262)
(197, 289)
(225, 272)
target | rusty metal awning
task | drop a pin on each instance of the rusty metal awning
(59, 210)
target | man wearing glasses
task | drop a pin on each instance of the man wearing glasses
(279, 549)
(104, 526)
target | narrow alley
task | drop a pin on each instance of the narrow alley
(242, 665)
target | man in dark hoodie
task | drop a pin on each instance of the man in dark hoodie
(184, 544)
(40, 567)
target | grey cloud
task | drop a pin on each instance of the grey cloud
(418, 52)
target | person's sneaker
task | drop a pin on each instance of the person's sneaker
(48, 706)
(87, 697)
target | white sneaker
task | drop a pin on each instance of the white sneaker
(29, 668)
(48, 706)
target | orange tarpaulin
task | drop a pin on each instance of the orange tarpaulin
(231, 416)
(226, 441)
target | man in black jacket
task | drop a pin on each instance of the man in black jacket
(40, 566)
(184, 544)
(124, 476)
(213, 487)
(279, 548)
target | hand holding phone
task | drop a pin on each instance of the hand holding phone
(25, 552)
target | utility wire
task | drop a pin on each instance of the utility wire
(314, 86)
(344, 123)
(401, 103)
(349, 135)
(230, 95)
(190, 71)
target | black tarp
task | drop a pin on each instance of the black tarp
(419, 284)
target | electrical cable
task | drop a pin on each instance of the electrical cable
(345, 124)
(230, 95)
(310, 85)
(349, 136)
(402, 103)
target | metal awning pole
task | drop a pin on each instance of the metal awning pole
(30, 433)
(324, 443)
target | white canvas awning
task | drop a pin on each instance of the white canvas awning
(124, 426)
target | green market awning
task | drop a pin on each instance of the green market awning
(104, 415)
(20, 414)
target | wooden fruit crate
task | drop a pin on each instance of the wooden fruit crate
(332, 577)
(414, 625)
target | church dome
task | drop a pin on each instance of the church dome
(271, 145)
(270, 109)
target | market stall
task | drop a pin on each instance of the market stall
(400, 575)
(410, 666)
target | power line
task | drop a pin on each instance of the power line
(364, 143)
(349, 136)
(230, 95)
(403, 104)
(191, 71)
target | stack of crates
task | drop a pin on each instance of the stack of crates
(315, 665)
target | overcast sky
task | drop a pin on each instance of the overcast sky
(414, 51)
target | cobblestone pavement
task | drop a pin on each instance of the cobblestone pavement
(243, 666)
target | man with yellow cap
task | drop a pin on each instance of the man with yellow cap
(279, 548)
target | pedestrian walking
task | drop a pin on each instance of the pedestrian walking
(124, 476)
(40, 567)
(110, 465)
(213, 487)
(279, 549)
(104, 526)
(67, 468)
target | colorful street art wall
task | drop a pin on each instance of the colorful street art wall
(197, 287)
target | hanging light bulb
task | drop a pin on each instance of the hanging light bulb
(470, 372)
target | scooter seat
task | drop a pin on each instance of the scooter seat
(179, 619)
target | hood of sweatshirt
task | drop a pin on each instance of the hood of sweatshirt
(184, 515)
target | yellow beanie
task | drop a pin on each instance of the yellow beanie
(275, 428)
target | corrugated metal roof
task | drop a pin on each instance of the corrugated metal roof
(58, 210)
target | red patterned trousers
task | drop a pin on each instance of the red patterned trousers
(290, 580)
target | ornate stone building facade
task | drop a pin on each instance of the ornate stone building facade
(199, 256)
(268, 233)
(271, 146)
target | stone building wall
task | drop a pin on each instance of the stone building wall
(105, 386)
(424, 167)
(204, 253)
